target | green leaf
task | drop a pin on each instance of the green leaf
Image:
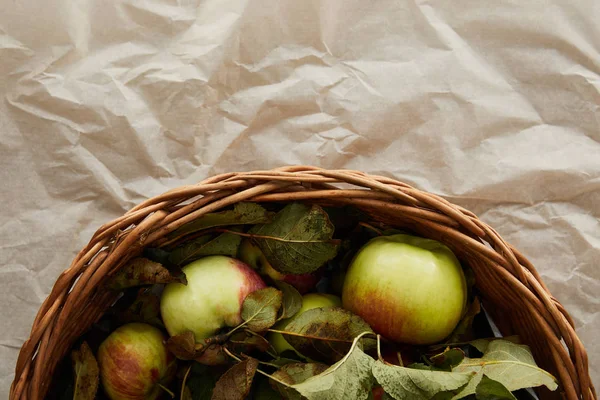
(510, 364)
(489, 389)
(298, 372)
(292, 300)
(242, 214)
(141, 271)
(349, 378)
(235, 384)
(281, 361)
(448, 359)
(201, 382)
(407, 383)
(298, 240)
(326, 334)
(224, 244)
(260, 309)
(463, 330)
(86, 373)
(264, 391)
(145, 308)
(482, 344)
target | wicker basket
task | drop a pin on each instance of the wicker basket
(512, 289)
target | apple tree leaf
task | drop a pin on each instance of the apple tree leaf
(489, 389)
(145, 308)
(183, 345)
(260, 308)
(298, 372)
(418, 384)
(242, 214)
(86, 373)
(448, 359)
(298, 240)
(207, 245)
(349, 378)
(248, 341)
(326, 334)
(141, 271)
(235, 384)
(463, 330)
(264, 391)
(201, 382)
(292, 300)
(482, 344)
(212, 354)
(510, 364)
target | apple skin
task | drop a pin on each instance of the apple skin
(309, 301)
(253, 256)
(212, 299)
(409, 289)
(132, 360)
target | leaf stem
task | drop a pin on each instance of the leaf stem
(230, 354)
(310, 337)
(185, 380)
(167, 390)
(231, 332)
(379, 347)
(255, 236)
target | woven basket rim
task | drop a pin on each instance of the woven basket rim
(503, 273)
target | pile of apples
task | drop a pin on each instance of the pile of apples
(409, 289)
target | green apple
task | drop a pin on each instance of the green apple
(408, 289)
(253, 256)
(133, 361)
(309, 301)
(212, 299)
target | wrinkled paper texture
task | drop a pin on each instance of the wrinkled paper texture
(492, 104)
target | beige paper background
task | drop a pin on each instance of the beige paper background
(492, 104)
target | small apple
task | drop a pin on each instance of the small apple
(409, 289)
(309, 301)
(253, 256)
(133, 361)
(212, 298)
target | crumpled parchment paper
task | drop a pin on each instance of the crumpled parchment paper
(492, 104)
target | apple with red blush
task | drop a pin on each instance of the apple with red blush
(134, 362)
(409, 289)
(212, 299)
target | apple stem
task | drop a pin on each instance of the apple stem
(167, 390)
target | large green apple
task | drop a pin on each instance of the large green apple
(212, 299)
(309, 301)
(133, 361)
(253, 256)
(408, 289)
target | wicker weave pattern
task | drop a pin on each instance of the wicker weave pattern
(513, 290)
